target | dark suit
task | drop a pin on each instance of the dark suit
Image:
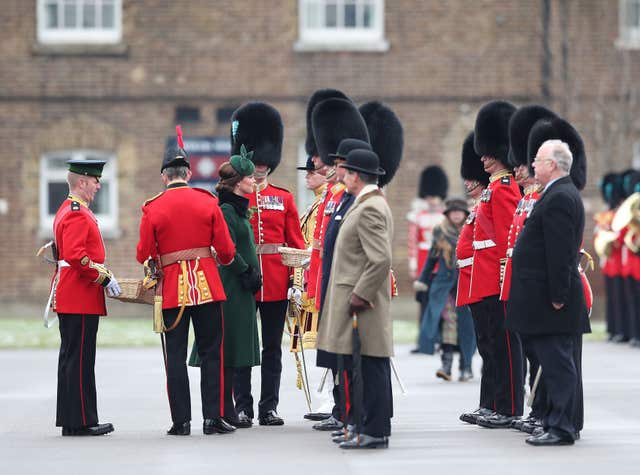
(545, 270)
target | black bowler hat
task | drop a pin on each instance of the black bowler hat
(346, 145)
(364, 161)
(175, 155)
(87, 167)
(309, 166)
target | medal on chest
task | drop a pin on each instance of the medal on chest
(330, 208)
(485, 197)
(271, 202)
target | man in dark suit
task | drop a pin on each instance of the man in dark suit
(547, 301)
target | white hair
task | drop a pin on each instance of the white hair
(561, 154)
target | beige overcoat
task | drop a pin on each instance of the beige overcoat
(361, 265)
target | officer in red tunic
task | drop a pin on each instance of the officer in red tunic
(476, 181)
(275, 223)
(77, 295)
(493, 218)
(178, 229)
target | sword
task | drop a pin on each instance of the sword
(299, 369)
(395, 373)
(534, 388)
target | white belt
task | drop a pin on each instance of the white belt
(465, 262)
(424, 246)
(62, 263)
(510, 252)
(483, 244)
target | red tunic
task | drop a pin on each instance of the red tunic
(611, 265)
(275, 222)
(464, 255)
(521, 214)
(79, 244)
(493, 218)
(184, 218)
(423, 218)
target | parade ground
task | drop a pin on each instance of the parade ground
(427, 435)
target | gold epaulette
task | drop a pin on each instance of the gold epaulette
(151, 199)
(337, 188)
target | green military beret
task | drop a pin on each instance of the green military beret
(242, 163)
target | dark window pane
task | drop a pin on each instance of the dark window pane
(350, 15)
(51, 15)
(368, 16)
(70, 13)
(108, 15)
(58, 192)
(187, 114)
(89, 15)
(331, 15)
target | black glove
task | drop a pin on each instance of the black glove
(251, 279)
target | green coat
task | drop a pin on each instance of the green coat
(241, 346)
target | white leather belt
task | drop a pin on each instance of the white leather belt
(424, 246)
(465, 262)
(483, 244)
(510, 252)
(62, 263)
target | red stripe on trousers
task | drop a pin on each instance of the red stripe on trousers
(347, 400)
(84, 417)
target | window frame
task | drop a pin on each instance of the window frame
(341, 38)
(107, 222)
(75, 36)
(628, 35)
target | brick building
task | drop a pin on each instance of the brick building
(110, 78)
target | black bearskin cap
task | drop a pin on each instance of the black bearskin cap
(433, 182)
(629, 179)
(258, 126)
(519, 127)
(611, 189)
(560, 129)
(492, 130)
(386, 135)
(334, 120)
(471, 167)
(317, 97)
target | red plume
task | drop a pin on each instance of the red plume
(179, 134)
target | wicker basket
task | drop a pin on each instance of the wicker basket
(293, 257)
(134, 292)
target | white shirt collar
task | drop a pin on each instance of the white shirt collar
(552, 182)
(366, 189)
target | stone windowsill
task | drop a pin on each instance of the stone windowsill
(80, 50)
(378, 46)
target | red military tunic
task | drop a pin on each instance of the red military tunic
(464, 255)
(423, 218)
(494, 214)
(80, 246)
(184, 218)
(611, 265)
(525, 205)
(275, 223)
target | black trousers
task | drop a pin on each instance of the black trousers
(272, 315)
(76, 402)
(377, 396)
(207, 326)
(501, 350)
(621, 308)
(611, 307)
(557, 355)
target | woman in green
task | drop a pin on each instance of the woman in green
(241, 280)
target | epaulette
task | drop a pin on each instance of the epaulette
(75, 206)
(207, 192)
(151, 199)
(505, 180)
(279, 188)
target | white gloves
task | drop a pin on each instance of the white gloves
(419, 286)
(113, 289)
(305, 263)
(296, 294)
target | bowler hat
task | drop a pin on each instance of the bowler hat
(346, 145)
(309, 166)
(364, 161)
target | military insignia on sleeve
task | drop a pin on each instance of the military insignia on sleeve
(505, 180)
(75, 206)
(84, 261)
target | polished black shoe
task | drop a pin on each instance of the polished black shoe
(270, 419)
(330, 424)
(98, 429)
(238, 423)
(217, 426)
(496, 421)
(344, 437)
(530, 427)
(317, 416)
(472, 417)
(537, 432)
(364, 441)
(183, 428)
(548, 439)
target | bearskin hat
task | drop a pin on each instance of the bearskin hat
(433, 182)
(519, 127)
(560, 129)
(258, 126)
(471, 167)
(611, 189)
(334, 120)
(386, 135)
(317, 97)
(492, 130)
(629, 179)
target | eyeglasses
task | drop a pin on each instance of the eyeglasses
(539, 159)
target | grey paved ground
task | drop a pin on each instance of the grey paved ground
(427, 437)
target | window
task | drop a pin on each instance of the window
(54, 189)
(79, 21)
(339, 25)
(629, 17)
(304, 197)
(635, 160)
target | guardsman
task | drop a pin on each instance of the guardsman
(178, 229)
(333, 121)
(77, 295)
(476, 180)
(493, 218)
(275, 223)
